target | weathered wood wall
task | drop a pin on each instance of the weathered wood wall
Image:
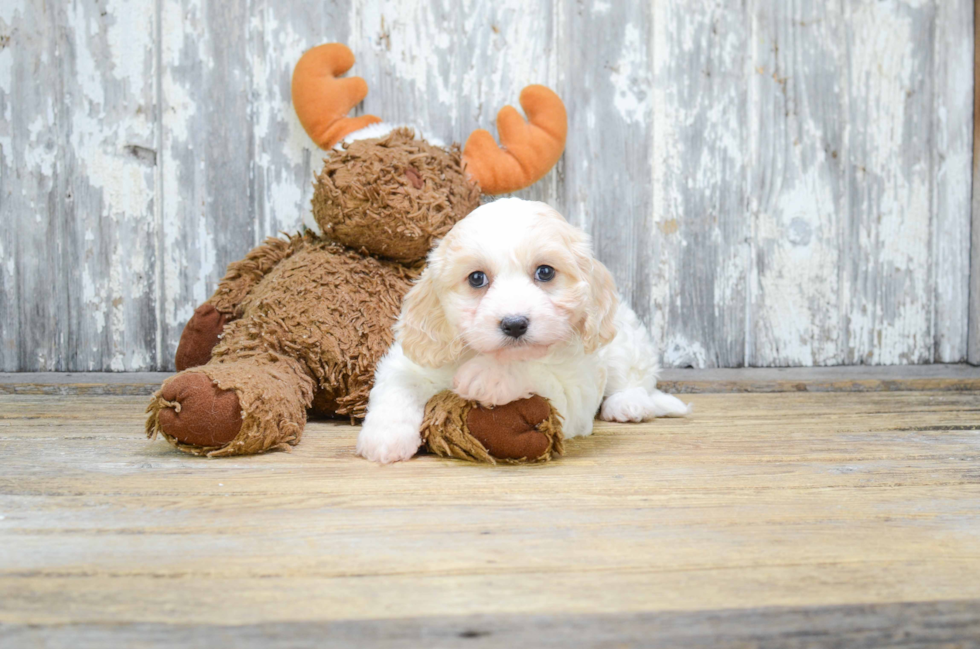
(772, 183)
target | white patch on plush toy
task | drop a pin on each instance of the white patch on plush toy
(382, 129)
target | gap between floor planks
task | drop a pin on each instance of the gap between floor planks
(944, 377)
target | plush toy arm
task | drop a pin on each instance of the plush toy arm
(526, 430)
(205, 328)
(242, 276)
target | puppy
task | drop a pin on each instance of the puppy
(513, 303)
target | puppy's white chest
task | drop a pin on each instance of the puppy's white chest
(574, 385)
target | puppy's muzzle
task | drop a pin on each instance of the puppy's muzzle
(514, 326)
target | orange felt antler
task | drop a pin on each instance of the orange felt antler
(322, 101)
(530, 149)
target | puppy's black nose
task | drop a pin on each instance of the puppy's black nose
(514, 326)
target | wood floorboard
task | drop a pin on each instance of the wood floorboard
(765, 519)
(953, 624)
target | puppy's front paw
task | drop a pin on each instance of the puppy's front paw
(388, 439)
(488, 383)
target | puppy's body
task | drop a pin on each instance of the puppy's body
(512, 304)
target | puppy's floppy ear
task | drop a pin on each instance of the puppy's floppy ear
(426, 335)
(600, 317)
(597, 326)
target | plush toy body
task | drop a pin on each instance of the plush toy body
(300, 324)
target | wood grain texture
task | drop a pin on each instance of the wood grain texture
(700, 279)
(870, 626)
(759, 507)
(283, 160)
(952, 144)
(610, 135)
(77, 138)
(207, 153)
(797, 117)
(772, 184)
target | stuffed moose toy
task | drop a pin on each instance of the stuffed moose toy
(298, 325)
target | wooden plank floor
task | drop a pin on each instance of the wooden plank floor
(762, 517)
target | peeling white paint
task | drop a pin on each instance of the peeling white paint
(11, 10)
(631, 79)
(93, 299)
(73, 144)
(410, 37)
(684, 353)
(6, 66)
(281, 144)
(41, 154)
(131, 21)
(699, 153)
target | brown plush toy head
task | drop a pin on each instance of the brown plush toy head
(394, 195)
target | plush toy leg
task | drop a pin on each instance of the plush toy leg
(527, 430)
(192, 410)
(233, 406)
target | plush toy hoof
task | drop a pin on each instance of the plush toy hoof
(194, 411)
(510, 432)
(199, 337)
(528, 430)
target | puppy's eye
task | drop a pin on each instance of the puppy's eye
(544, 273)
(478, 279)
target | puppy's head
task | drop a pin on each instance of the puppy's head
(511, 279)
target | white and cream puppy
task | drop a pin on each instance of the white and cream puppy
(513, 303)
